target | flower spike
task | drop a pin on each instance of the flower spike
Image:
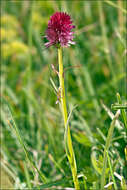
(59, 31)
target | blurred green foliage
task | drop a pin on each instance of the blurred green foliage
(100, 51)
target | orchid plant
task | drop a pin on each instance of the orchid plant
(59, 34)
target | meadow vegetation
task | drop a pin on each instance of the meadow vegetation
(32, 129)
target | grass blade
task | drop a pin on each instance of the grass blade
(105, 38)
(55, 183)
(108, 142)
(116, 6)
(110, 166)
(28, 157)
(27, 176)
(123, 112)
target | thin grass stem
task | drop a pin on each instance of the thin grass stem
(30, 26)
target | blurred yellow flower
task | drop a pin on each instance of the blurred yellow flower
(9, 21)
(7, 34)
(14, 48)
(6, 50)
(19, 47)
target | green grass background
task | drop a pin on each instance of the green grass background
(28, 97)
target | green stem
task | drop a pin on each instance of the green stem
(71, 158)
(105, 39)
(30, 27)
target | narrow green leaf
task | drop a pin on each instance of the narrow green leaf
(27, 176)
(12, 124)
(123, 112)
(55, 183)
(111, 171)
(107, 145)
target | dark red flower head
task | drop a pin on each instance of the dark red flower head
(59, 30)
